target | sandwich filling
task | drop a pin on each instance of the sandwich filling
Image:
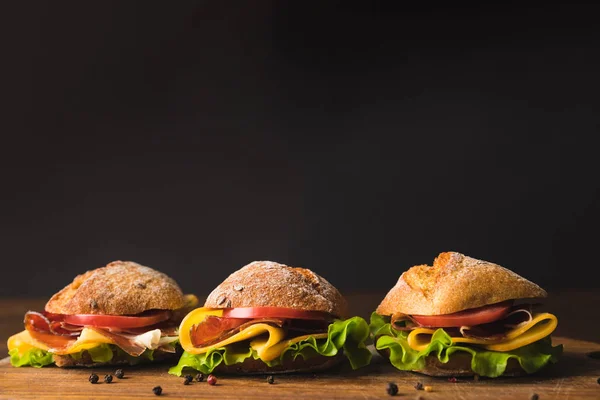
(102, 337)
(210, 337)
(492, 334)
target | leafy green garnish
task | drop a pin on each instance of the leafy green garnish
(347, 335)
(103, 353)
(35, 357)
(488, 363)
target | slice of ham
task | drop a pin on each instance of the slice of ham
(59, 336)
(212, 329)
(41, 323)
(497, 330)
(125, 343)
(165, 329)
(38, 327)
(216, 329)
(403, 322)
(493, 331)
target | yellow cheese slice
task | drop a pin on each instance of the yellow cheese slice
(88, 339)
(268, 353)
(275, 334)
(267, 348)
(24, 342)
(539, 327)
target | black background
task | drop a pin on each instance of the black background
(355, 139)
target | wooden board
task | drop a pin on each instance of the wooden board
(574, 377)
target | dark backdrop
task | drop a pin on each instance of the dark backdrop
(356, 140)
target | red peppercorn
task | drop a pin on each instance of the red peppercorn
(452, 379)
(212, 380)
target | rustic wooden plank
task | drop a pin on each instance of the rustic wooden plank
(574, 377)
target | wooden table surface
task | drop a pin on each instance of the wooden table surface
(574, 377)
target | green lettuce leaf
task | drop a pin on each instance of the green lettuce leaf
(347, 335)
(35, 357)
(103, 353)
(484, 362)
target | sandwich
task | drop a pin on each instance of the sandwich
(271, 318)
(123, 313)
(463, 317)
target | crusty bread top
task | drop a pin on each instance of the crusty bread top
(120, 288)
(455, 283)
(269, 284)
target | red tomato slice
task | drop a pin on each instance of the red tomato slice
(471, 317)
(275, 312)
(117, 321)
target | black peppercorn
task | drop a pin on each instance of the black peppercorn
(392, 389)
(212, 380)
(157, 390)
(535, 396)
(419, 386)
(199, 377)
(270, 379)
(119, 373)
(108, 378)
(187, 379)
(93, 378)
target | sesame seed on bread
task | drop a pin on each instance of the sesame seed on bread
(120, 288)
(270, 284)
(454, 283)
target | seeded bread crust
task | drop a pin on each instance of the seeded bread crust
(270, 284)
(120, 288)
(454, 283)
(251, 366)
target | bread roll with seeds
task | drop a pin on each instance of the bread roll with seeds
(270, 284)
(120, 288)
(454, 283)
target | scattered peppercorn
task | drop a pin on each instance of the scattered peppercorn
(428, 388)
(108, 378)
(187, 379)
(270, 379)
(392, 389)
(419, 386)
(452, 379)
(199, 377)
(93, 378)
(157, 390)
(119, 373)
(535, 396)
(212, 380)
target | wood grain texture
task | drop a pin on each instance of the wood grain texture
(574, 377)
